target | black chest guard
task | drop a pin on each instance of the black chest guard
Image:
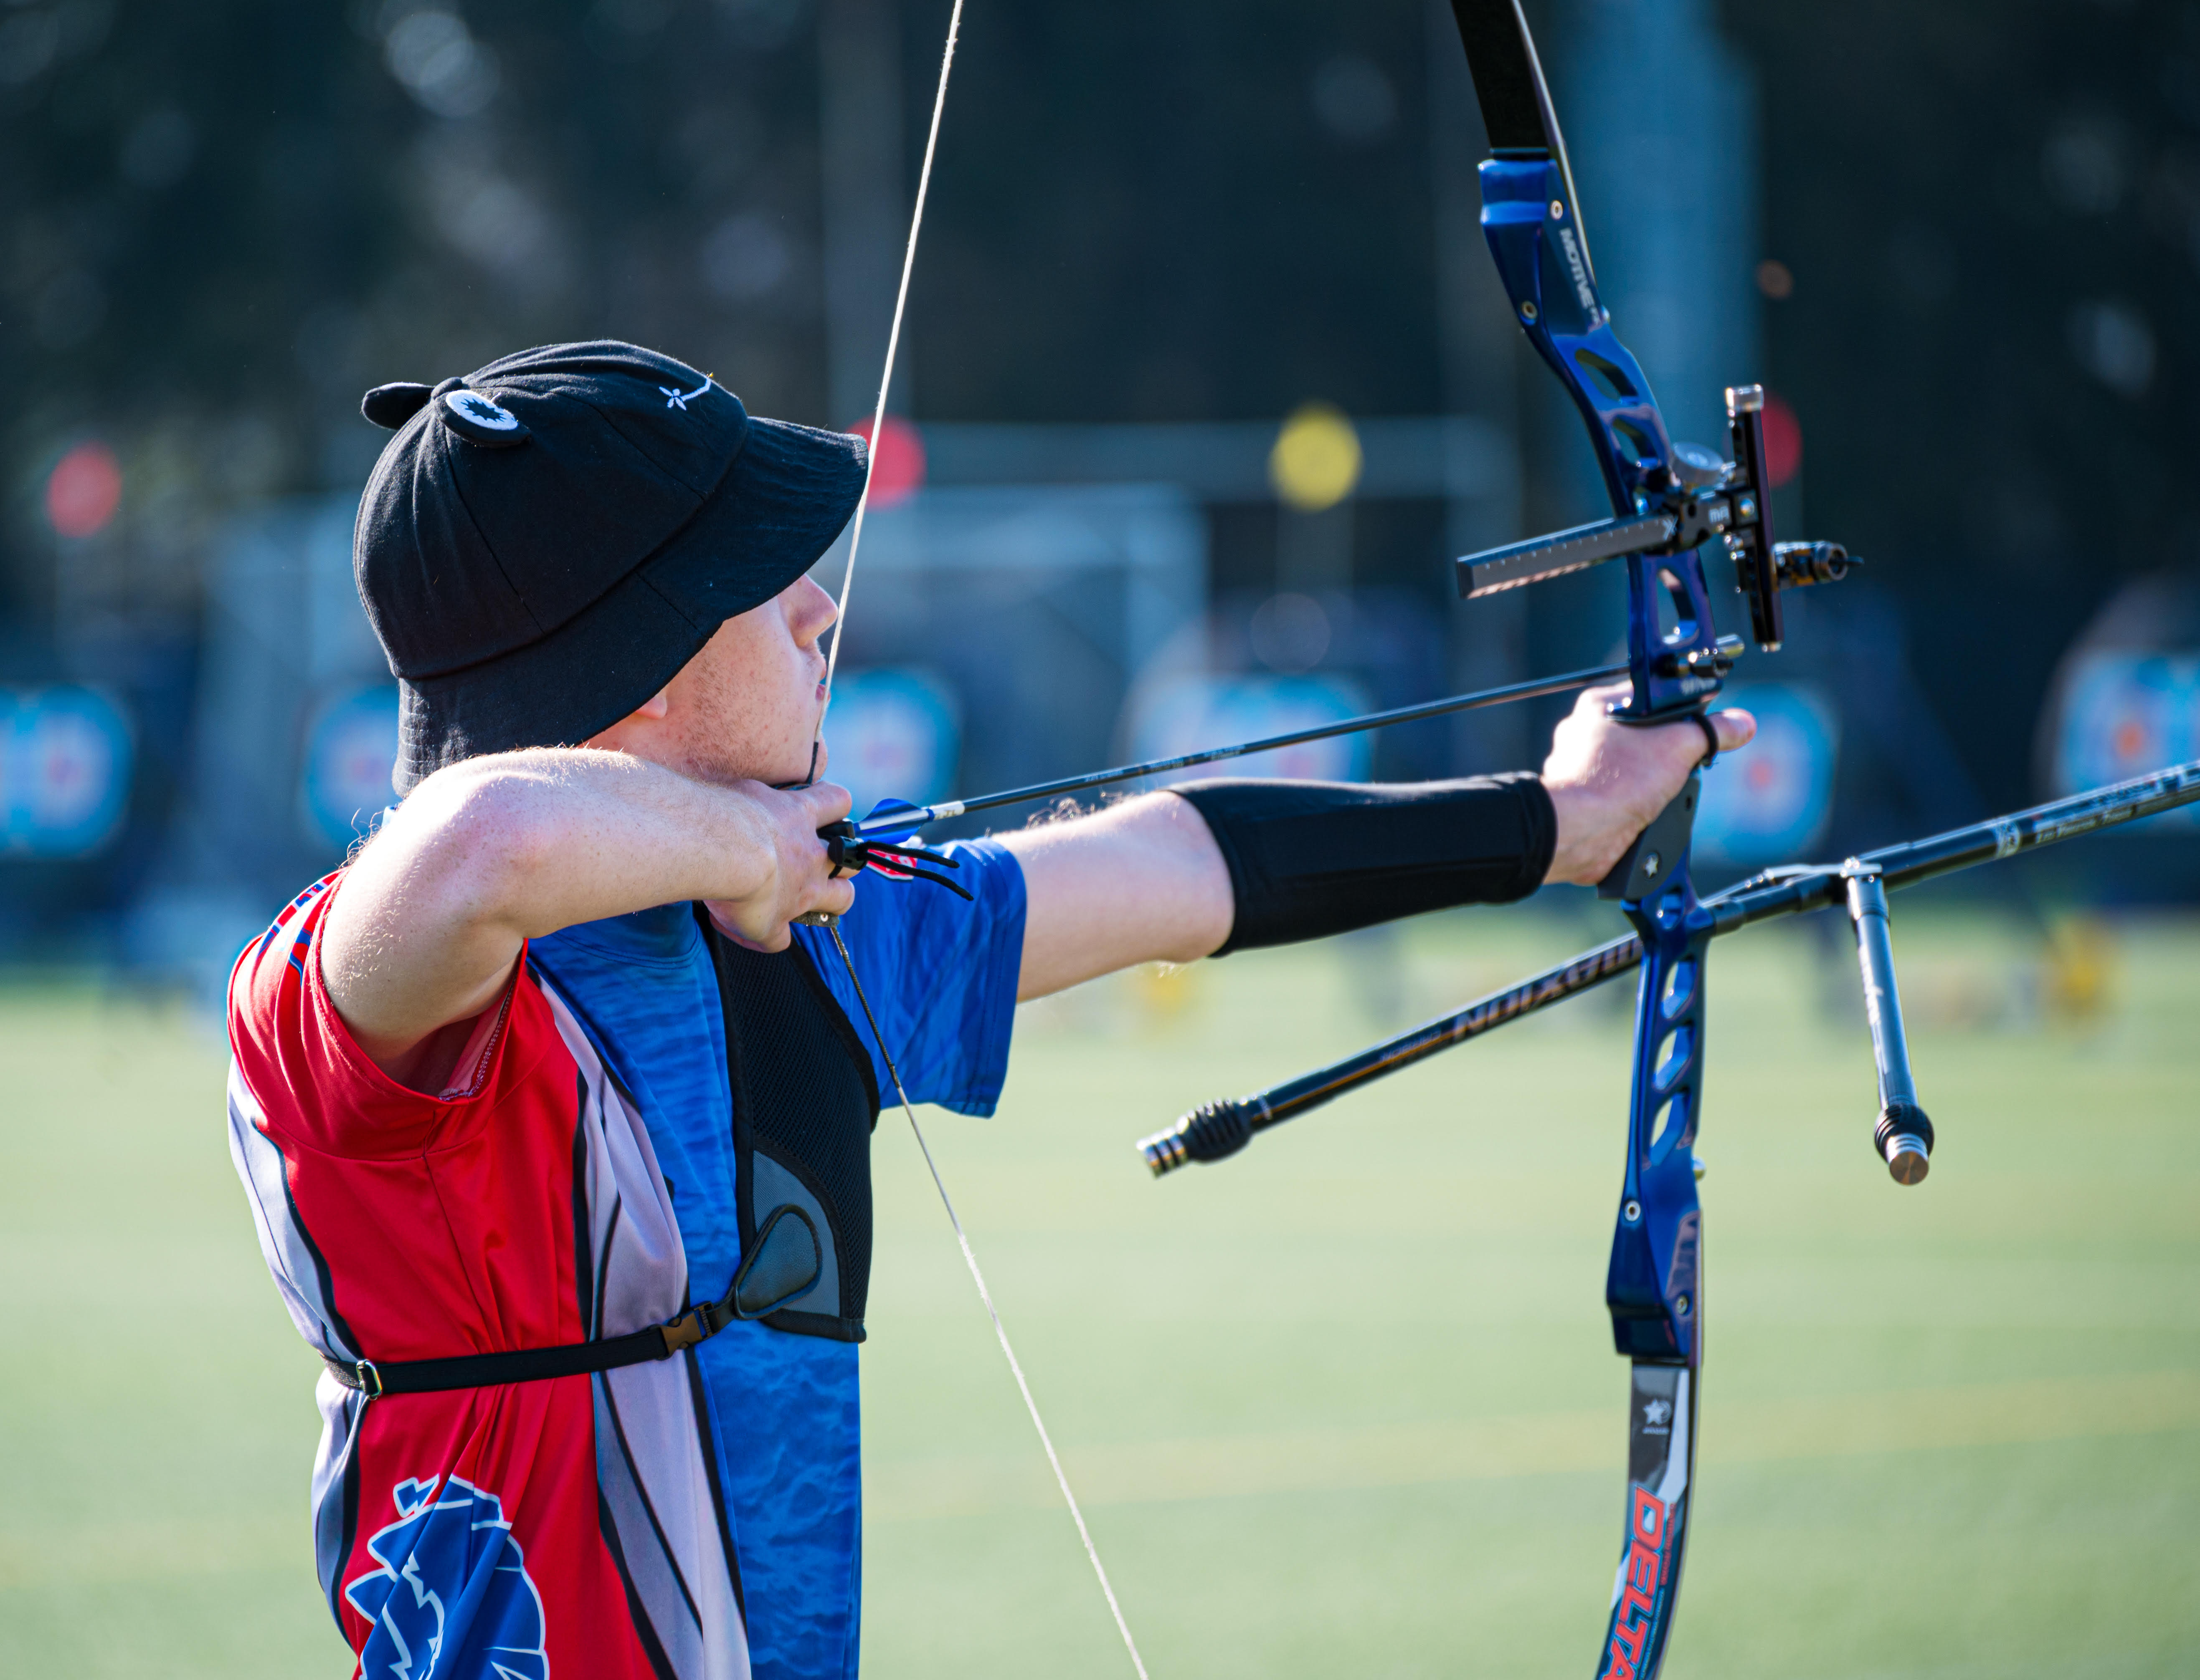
(805, 1103)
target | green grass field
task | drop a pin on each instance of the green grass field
(1343, 1405)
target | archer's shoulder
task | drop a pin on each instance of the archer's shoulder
(270, 984)
(280, 952)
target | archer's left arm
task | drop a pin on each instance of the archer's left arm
(1149, 880)
(1138, 882)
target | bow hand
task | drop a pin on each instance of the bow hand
(1610, 781)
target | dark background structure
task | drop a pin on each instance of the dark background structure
(1977, 256)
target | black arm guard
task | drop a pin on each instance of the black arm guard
(1308, 859)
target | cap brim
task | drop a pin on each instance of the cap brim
(788, 495)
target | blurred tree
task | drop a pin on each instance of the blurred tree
(221, 222)
(1158, 211)
(1983, 245)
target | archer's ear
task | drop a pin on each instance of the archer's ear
(651, 710)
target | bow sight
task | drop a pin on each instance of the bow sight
(1695, 497)
(1705, 497)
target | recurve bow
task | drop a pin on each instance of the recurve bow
(1667, 501)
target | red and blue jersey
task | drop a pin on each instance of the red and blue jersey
(571, 1525)
(697, 1516)
(940, 976)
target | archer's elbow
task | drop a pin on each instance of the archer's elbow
(475, 842)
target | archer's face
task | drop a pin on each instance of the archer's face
(745, 707)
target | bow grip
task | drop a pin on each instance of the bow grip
(1659, 851)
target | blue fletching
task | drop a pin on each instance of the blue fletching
(889, 807)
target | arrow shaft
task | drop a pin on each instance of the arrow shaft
(903, 822)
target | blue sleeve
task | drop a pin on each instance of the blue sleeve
(940, 975)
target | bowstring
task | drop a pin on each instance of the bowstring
(886, 376)
(832, 666)
(986, 1295)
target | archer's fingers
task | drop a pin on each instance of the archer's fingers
(1592, 702)
(768, 940)
(827, 802)
(1735, 728)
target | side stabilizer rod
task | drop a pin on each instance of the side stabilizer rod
(1217, 1130)
(1902, 1136)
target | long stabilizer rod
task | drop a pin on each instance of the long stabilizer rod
(1217, 1129)
(901, 821)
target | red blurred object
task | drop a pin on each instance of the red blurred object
(84, 490)
(1783, 440)
(898, 473)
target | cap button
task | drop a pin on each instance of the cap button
(475, 416)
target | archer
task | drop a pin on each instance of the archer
(555, 1119)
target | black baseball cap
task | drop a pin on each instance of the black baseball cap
(548, 539)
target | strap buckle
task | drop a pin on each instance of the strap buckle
(370, 1380)
(686, 1330)
(699, 1323)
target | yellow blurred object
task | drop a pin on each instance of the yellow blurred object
(1315, 464)
(2078, 970)
(1165, 990)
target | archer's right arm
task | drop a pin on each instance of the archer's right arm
(512, 846)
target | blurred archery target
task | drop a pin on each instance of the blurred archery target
(84, 490)
(893, 733)
(66, 756)
(1771, 801)
(351, 745)
(2123, 714)
(1186, 714)
(898, 473)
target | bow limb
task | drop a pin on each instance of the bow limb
(1532, 218)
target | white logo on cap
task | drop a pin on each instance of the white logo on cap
(474, 406)
(680, 400)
